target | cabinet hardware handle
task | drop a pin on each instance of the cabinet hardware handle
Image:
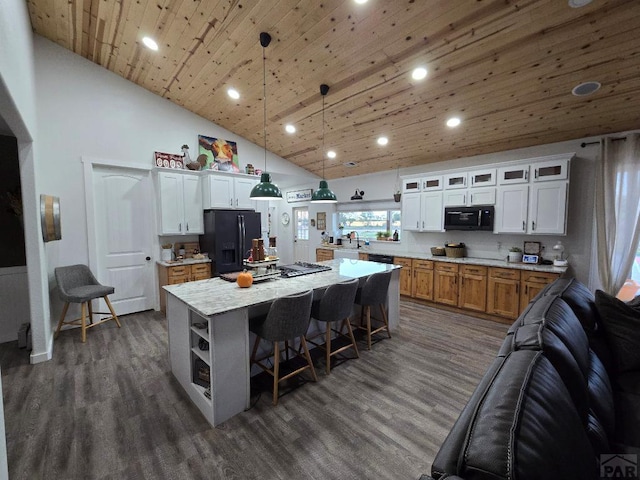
(533, 225)
(236, 202)
(526, 174)
(423, 224)
(180, 227)
(231, 202)
(524, 226)
(418, 224)
(526, 289)
(517, 288)
(187, 224)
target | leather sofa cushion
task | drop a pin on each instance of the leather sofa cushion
(526, 426)
(621, 324)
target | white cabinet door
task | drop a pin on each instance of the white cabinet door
(432, 183)
(192, 200)
(482, 196)
(242, 190)
(482, 178)
(455, 180)
(432, 212)
(410, 185)
(411, 212)
(455, 198)
(171, 203)
(218, 191)
(551, 170)
(511, 209)
(514, 174)
(547, 208)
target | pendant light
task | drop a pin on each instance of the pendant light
(323, 194)
(265, 190)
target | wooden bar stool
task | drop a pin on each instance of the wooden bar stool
(288, 319)
(374, 292)
(77, 284)
(335, 306)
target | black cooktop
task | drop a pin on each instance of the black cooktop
(301, 268)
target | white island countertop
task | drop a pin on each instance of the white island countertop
(215, 296)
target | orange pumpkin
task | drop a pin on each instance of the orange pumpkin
(245, 279)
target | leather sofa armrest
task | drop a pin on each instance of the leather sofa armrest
(446, 477)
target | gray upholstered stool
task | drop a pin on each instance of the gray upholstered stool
(288, 319)
(77, 284)
(335, 306)
(374, 293)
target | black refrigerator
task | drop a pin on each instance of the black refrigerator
(227, 238)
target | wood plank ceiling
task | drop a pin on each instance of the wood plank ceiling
(505, 67)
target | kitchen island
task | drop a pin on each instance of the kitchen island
(215, 314)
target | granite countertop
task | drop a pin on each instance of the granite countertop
(486, 262)
(214, 296)
(186, 261)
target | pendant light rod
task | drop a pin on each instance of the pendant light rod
(324, 89)
(323, 194)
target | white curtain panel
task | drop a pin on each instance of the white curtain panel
(617, 210)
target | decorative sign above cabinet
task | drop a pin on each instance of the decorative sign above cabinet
(299, 196)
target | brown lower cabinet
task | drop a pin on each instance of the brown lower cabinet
(473, 288)
(445, 283)
(323, 254)
(405, 274)
(531, 284)
(180, 274)
(422, 281)
(363, 256)
(503, 293)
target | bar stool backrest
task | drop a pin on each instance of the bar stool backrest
(75, 276)
(337, 301)
(288, 318)
(375, 288)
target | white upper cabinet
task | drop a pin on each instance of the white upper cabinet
(455, 198)
(551, 170)
(180, 203)
(513, 174)
(482, 178)
(410, 185)
(511, 209)
(548, 208)
(482, 196)
(432, 183)
(411, 212)
(422, 212)
(228, 191)
(455, 180)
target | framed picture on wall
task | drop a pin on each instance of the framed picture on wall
(321, 220)
(221, 154)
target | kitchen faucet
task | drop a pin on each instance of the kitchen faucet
(357, 238)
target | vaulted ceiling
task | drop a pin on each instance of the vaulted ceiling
(505, 67)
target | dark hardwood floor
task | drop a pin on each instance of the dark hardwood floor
(110, 409)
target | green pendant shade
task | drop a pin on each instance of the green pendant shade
(265, 190)
(323, 194)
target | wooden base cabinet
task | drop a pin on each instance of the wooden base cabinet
(445, 283)
(473, 288)
(422, 282)
(323, 254)
(531, 284)
(503, 295)
(406, 274)
(180, 274)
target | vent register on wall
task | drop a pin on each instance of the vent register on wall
(528, 197)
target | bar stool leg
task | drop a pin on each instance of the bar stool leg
(255, 350)
(353, 339)
(83, 321)
(113, 313)
(276, 371)
(303, 341)
(90, 312)
(327, 346)
(384, 318)
(61, 322)
(368, 308)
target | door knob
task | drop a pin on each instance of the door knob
(148, 258)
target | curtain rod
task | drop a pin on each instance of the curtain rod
(584, 144)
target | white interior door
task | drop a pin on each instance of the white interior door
(301, 234)
(122, 223)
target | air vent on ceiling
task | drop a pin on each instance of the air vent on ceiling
(350, 164)
(586, 88)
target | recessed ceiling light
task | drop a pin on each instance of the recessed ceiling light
(453, 122)
(233, 93)
(586, 88)
(579, 3)
(383, 141)
(150, 43)
(331, 154)
(361, 1)
(419, 73)
(290, 128)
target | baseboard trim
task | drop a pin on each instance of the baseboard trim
(43, 356)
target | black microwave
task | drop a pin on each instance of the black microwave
(469, 218)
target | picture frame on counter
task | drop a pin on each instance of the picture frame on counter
(321, 220)
(299, 195)
(532, 248)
